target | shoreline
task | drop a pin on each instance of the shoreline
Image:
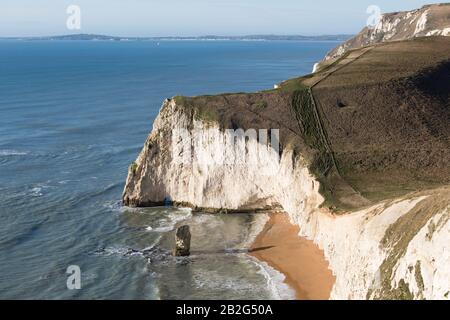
(300, 260)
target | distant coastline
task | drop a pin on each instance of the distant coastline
(96, 37)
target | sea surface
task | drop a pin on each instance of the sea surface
(73, 116)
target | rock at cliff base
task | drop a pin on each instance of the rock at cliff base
(182, 242)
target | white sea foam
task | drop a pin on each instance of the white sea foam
(114, 205)
(151, 246)
(256, 227)
(275, 281)
(120, 251)
(180, 215)
(170, 217)
(36, 192)
(163, 229)
(173, 217)
(109, 251)
(6, 153)
(68, 181)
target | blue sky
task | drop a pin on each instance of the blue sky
(192, 17)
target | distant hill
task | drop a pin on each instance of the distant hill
(96, 37)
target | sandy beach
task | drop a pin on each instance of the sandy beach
(299, 259)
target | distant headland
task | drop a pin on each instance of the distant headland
(96, 37)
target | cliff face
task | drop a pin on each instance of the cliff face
(211, 169)
(362, 168)
(430, 20)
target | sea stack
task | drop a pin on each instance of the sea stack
(182, 242)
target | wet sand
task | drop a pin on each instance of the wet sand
(300, 260)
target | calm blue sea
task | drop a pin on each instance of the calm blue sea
(73, 116)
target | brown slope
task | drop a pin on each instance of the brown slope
(387, 116)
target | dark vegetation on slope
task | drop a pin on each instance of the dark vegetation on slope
(388, 115)
(311, 130)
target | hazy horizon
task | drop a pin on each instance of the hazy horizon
(186, 36)
(177, 18)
